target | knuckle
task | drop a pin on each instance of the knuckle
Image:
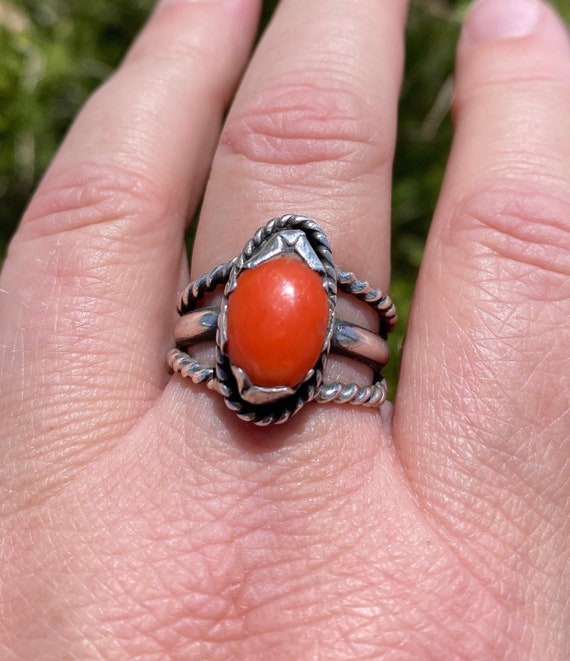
(525, 227)
(94, 194)
(301, 133)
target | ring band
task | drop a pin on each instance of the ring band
(278, 311)
(348, 339)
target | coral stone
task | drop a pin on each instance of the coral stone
(277, 319)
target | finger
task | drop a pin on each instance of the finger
(481, 418)
(312, 131)
(91, 274)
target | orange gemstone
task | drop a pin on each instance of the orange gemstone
(277, 321)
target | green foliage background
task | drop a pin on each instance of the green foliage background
(53, 53)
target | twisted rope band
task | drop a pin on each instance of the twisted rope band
(375, 298)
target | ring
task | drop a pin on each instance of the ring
(276, 326)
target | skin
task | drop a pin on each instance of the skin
(140, 518)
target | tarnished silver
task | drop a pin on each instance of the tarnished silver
(348, 339)
(302, 237)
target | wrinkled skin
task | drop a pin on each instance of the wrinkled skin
(140, 519)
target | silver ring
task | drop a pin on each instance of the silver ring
(289, 243)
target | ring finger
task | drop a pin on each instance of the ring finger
(312, 131)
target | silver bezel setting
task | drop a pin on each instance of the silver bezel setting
(287, 235)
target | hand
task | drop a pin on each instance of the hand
(143, 520)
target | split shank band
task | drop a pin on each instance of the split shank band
(301, 239)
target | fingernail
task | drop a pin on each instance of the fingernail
(501, 19)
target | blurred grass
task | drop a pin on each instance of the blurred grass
(53, 53)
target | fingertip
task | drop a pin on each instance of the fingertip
(505, 43)
(494, 20)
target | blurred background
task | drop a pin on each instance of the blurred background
(53, 53)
